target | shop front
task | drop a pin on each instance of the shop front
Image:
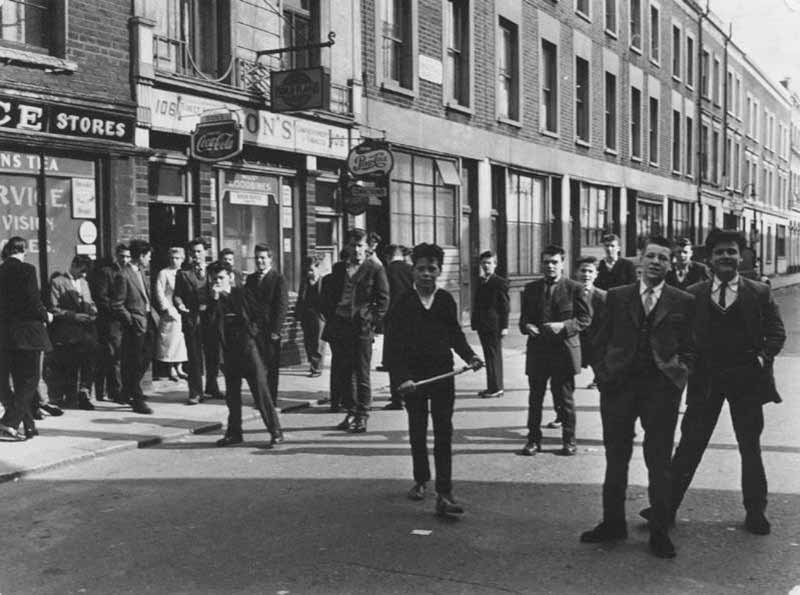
(61, 167)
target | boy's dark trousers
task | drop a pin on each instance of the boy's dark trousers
(312, 326)
(439, 399)
(492, 344)
(351, 356)
(243, 360)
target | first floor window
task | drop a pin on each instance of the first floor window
(526, 231)
(595, 214)
(681, 214)
(649, 221)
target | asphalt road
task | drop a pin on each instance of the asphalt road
(327, 512)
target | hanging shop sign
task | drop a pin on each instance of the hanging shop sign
(371, 158)
(216, 140)
(24, 114)
(355, 198)
(301, 89)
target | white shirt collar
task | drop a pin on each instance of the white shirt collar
(733, 284)
(656, 289)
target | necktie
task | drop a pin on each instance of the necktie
(548, 292)
(649, 300)
(722, 300)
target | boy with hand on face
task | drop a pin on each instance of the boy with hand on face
(596, 298)
(424, 328)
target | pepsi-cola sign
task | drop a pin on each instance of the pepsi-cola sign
(216, 140)
(370, 159)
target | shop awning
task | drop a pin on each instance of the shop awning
(448, 171)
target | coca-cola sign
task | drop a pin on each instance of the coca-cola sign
(370, 159)
(216, 140)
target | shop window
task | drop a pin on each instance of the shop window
(191, 37)
(300, 27)
(69, 209)
(526, 232)
(649, 221)
(681, 219)
(423, 200)
(457, 38)
(595, 215)
(397, 32)
(508, 71)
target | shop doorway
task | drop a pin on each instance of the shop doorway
(170, 226)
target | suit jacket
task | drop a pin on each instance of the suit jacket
(309, 301)
(130, 299)
(490, 306)
(671, 337)
(597, 310)
(101, 285)
(65, 302)
(568, 305)
(370, 300)
(272, 297)
(193, 293)
(241, 303)
(22, 313)
(400, 277)
(622, 273)
(696, 272)
(764, 328)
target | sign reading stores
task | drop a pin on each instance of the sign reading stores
(24, 114)
(174, 112)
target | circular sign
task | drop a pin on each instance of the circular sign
(354, 201)
(370, 159)
(297, 90)
(87, 232)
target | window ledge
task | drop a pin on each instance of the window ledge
(636, 50)
(457, 107)
(393, 87)
(676, 78)
(612, 34)
(690, 86)
(613, 152)
(584, 16)
(48, 63)
(636, 159)
(655, 62)
(689, 177)
(549, 133)
(582, 143)
(676, 172)
(653, 163)
(509, 121)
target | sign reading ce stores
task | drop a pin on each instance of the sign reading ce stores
(36, 116)
(217, 140)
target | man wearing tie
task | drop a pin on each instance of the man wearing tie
(645, 351)
(272, 296)
(490, 318)
(131, 303)
(739, 332)
(554, 312)
(685, 271)
(192, 298)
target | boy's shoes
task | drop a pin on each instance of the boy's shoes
(230, 440)
(393, 406)
(51, 409)
(568, 450)
(494, 395)
(314, 373)
(194, 400)
(417, 493)
(359, 426)
(757, 523)
(661, 545)
(447, 506)
(554, 425)
(277, 438)
(84, 402)
(139, 406)
(530, 449)
(346, 423)
(647, 514)
(605, 532)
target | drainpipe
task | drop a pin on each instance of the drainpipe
(725, 156)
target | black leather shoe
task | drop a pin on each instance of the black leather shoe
(530, 449)
(647, 514)
(554, 425)
(447, 506)
(215, 395)
(51, 409)
(194, 400)
(277, 438)
(568, 450)
(139, 406)
(230, 440)
(757, 523)
(346, 423)
(38, 414)
(359, 426)
(495, 395)
(30, 432)
(605, 532)
(86, 404)
(661, 545)
(417, 492)
(393, 406)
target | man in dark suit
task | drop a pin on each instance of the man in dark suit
(132, 304)
(23, 338)
(490, 318)
(108, 379)
(685, 271)
(307, 311)
(227, 255)
(232, 311)
(355, 300)
(596, 298)
(614, 270)
(191, 298)
(739, 332)
(272, 296)
(553, 313)
(401, 280)
(646, 351)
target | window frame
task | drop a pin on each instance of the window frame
(584, 14)
(689, 136)
(677, 147)
(582, 114)
(515, 104)
(613, 30)
(655, 33)
(465, 101)
(549, 88)
(689, 68)
(387, 83)
(610, 120)
(538, 221)
(677, 54)
(636, 124)
(635, 24)
(653, 131)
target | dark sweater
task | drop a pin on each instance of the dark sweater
(622, 273)
(420, 341)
